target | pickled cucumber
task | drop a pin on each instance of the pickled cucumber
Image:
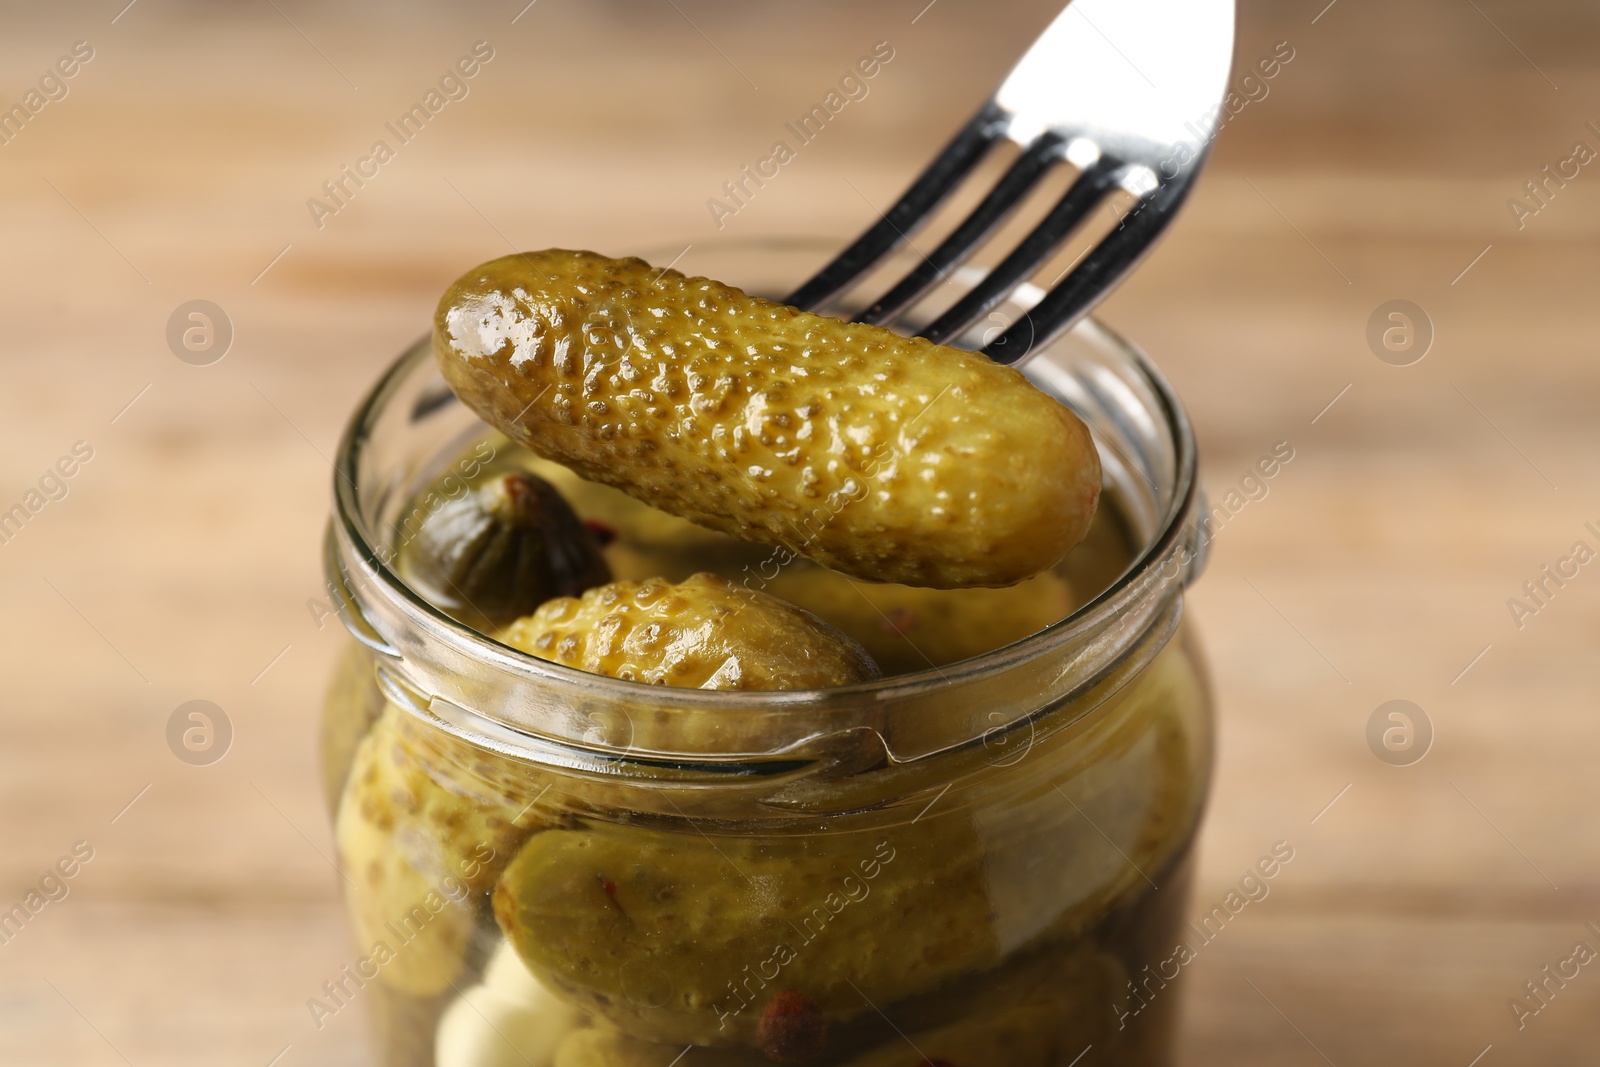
(703, 633)
(685, 938)
(677, 938)
(606, 1047)
(1043, 1014)
(499, 550)
(1040, 1032)
(417, 847)
(906, 628)
(884, 457)
(352, 705)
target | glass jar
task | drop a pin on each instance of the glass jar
(971, 865)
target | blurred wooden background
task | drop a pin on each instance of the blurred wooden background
(180, 563)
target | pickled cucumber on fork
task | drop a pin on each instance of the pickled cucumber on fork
(882, 456)
(640, 541)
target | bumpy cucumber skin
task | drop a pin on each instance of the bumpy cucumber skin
(659, 934)
(426, 824)
(885, 457)
(703, 633)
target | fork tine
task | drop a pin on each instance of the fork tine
(1096, 273)
(1088, 190)
(1002, 200)
(935, 183)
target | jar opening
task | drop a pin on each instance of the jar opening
(410, 428)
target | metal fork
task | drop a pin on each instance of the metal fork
(1129, 92)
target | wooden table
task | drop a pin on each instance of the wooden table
(181, 561)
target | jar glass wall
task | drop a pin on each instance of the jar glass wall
(970, 861)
